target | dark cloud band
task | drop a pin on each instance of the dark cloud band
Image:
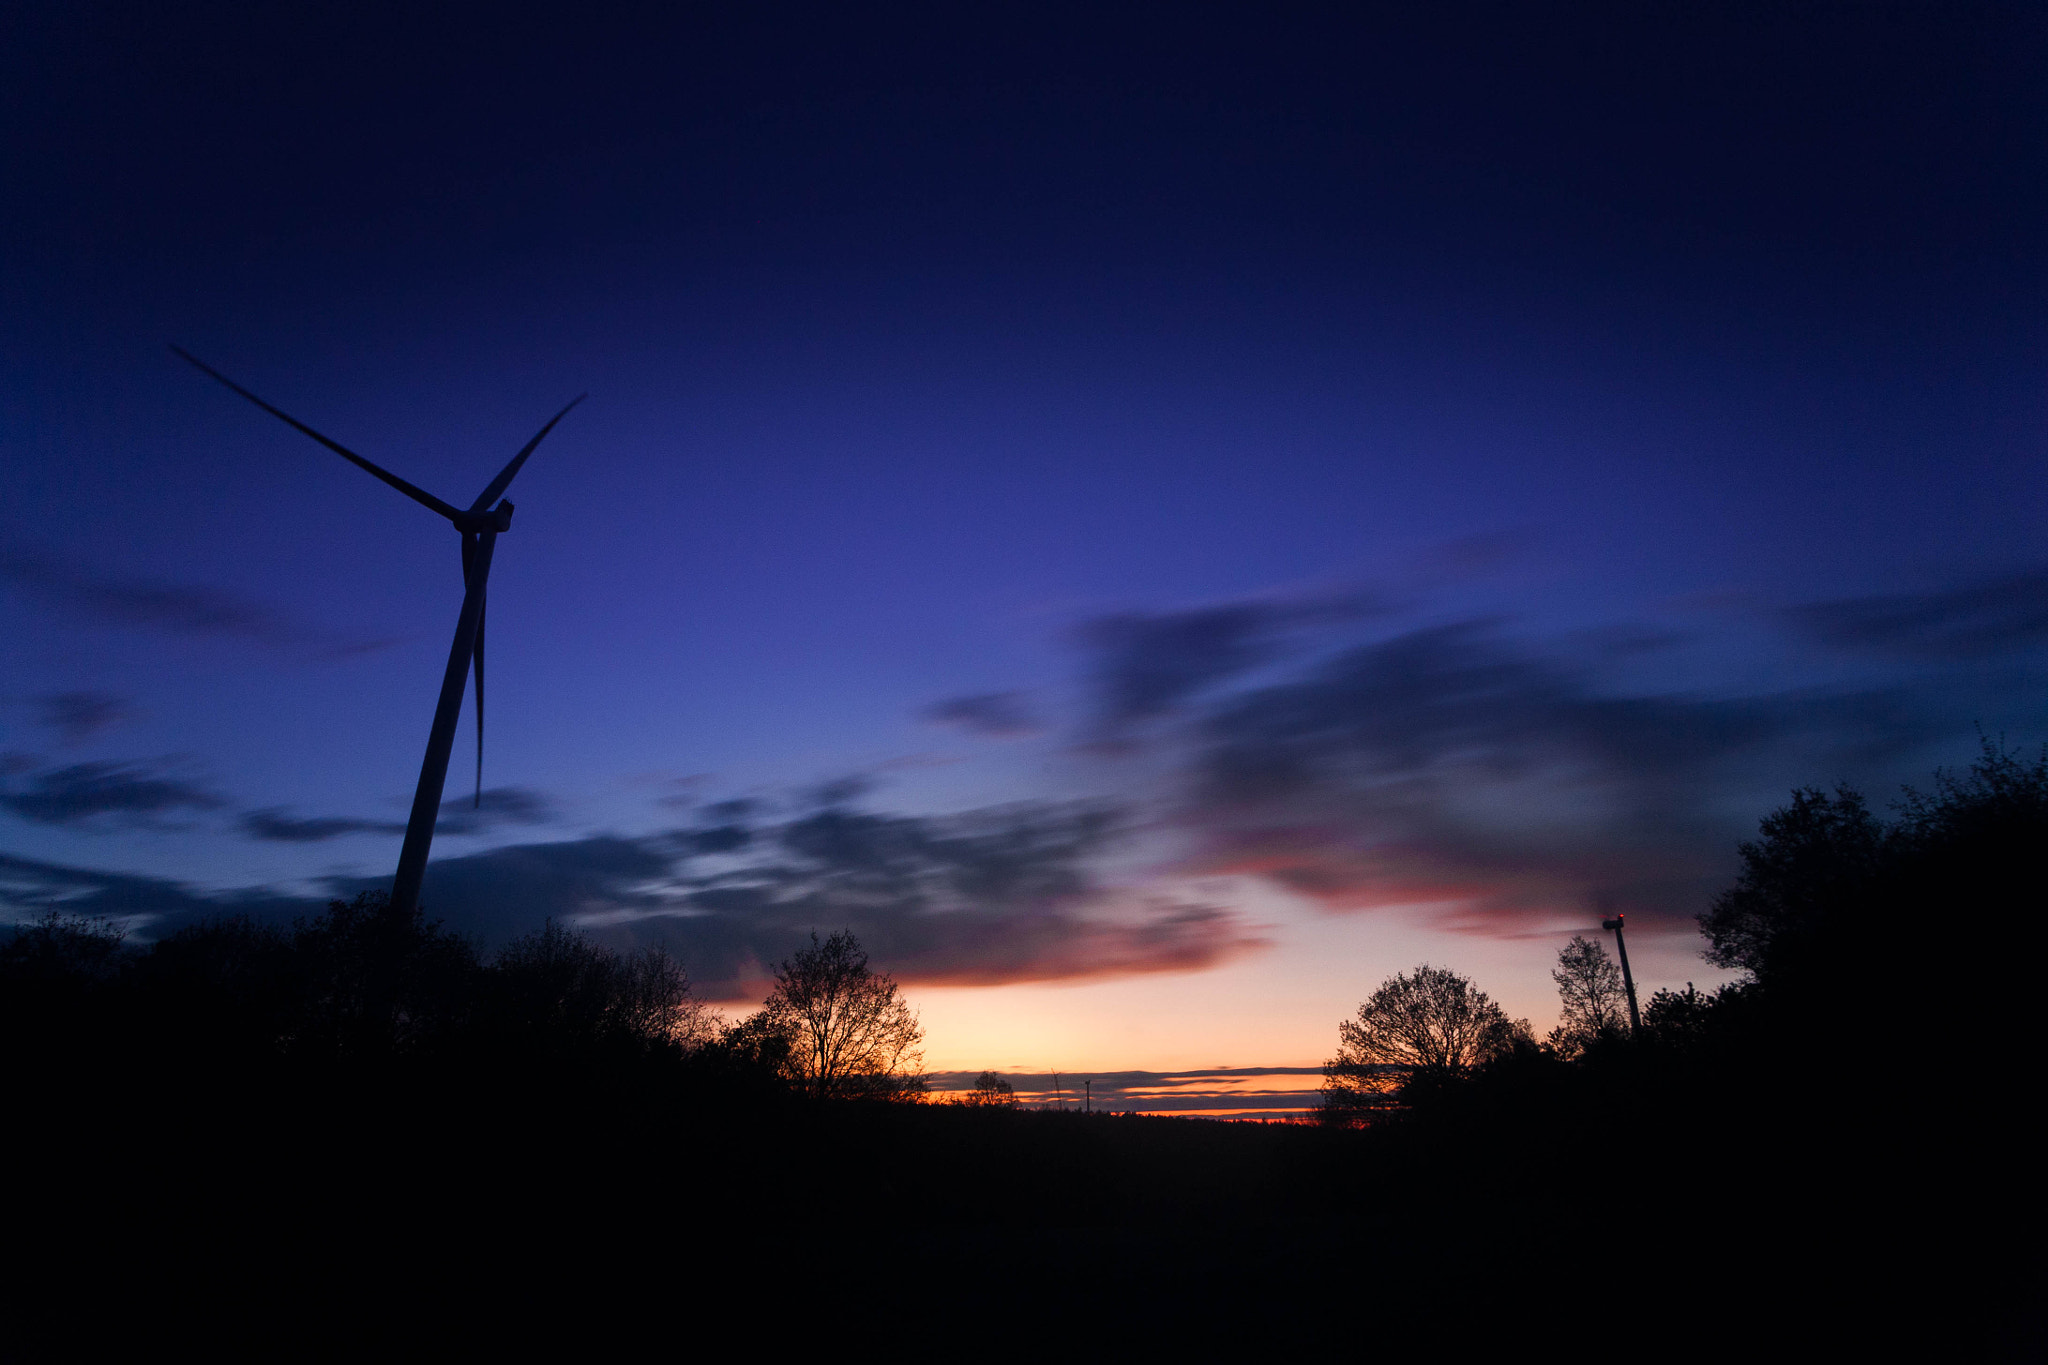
(980, 898)
(102, 795)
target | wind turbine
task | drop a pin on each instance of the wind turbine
(479, 524)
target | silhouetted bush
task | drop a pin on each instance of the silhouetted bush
(60, 978)
(556, 993)
(377, 980)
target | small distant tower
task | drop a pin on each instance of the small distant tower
(1628, 979)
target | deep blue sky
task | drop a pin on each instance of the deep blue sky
(1468, 465)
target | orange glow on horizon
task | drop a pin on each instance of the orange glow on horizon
(1278, 1007)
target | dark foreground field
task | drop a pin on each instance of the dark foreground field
(356, 1209)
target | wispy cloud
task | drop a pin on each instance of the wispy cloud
(496, 808)
(277, 825)
(107, 795)
(1147, 665)
(1995, 616)
(1453, 764)
(998, 715)
(499, 807)
(78, 716)
(29, 888)
(177, 608)
(985, 897)
(173, 608)
(979, 898)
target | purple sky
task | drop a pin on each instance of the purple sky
(1155, 517)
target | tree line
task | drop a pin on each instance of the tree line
(364, 984)
(1831, 901)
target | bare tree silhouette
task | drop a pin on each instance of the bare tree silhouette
(1589, 989)
(851, 1036)
(990, 1091)
(1431, 1023)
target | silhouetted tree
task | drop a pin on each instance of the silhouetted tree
(1592, 1003)
(1684, 1020)
(1429, 1025)
(1815, 860)
(849, 1034)
(1968, 858)
(1980, 838)
(990, 1091)
(1829, 891)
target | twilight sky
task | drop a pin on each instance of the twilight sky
(1156, 517)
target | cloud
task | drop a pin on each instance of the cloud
(978, 898)
(839, 791)
(126, 794)
(1475, 556)
(998, 715)
(1992, 617)
(499, 807)
(276, 825)
(1148, 664)
(181, 610)
(78, 716)
(495, 808)
(684, 790)
(29, 888)
(1453, 765)
(500, 893)
(739, 808)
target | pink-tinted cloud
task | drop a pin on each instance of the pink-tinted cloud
(1513, 786)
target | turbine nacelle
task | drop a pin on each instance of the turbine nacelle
(499, 518)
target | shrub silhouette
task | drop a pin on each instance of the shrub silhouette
(379, 980)
(556, 992)
(990, 1092)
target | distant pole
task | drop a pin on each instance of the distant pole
(1088, 1103)
(1628, 978)
(1059, 1099)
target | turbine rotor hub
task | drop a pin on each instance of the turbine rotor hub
(499, 518)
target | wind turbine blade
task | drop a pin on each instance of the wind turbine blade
(505, 475)
(420, 496)
(483, 608)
